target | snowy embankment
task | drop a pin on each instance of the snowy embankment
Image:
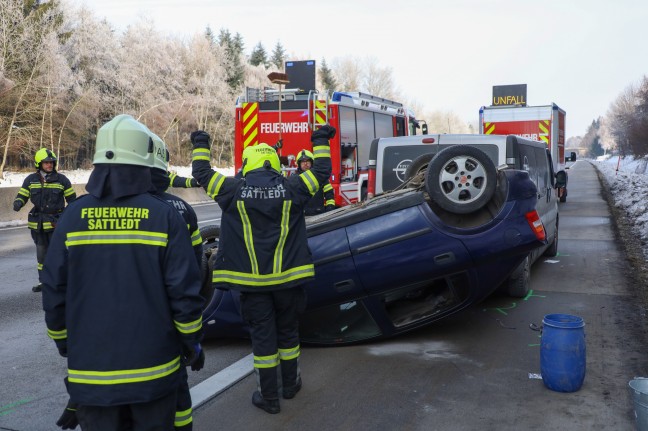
(628, 182)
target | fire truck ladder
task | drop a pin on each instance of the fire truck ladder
(319, 115)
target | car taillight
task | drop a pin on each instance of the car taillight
(536, 224)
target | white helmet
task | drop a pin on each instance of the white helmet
(124, 140)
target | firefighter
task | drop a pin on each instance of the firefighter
(121, 290)
(48, 190)
(324, 199)
(263, 253)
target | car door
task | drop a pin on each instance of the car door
(401, 249)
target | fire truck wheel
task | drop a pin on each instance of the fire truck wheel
(461, 179)
(210, 237)
(416, 170)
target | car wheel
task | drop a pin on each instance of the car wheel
(417, 169)
(461, 179)
(552, 250)
(517, 285)
(210, 238)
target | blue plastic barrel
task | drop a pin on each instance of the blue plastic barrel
(562, 352)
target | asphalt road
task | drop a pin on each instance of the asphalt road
(474, 370)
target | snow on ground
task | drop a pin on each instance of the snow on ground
(628, 182)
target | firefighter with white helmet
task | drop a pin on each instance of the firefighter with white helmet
(263, 252)
(324, 199)
(121, 289)
(48, 190)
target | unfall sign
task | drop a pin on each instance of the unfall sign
(509, 95)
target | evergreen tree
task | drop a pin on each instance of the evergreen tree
(209, 35)
(278, 56)
(259, 56)
(327, 77)
(233, 50)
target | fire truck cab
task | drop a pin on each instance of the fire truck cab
(286, 118)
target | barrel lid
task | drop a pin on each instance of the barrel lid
(563, 321)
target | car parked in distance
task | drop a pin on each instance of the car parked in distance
(407, 258)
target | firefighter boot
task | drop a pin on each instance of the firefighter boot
(270, 406)
(291, 377)
(37, 288)
(289, 393)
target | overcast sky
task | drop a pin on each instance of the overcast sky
(445, 54)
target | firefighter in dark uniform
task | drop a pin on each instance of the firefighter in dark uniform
(263, 253)
(48, 191)
(160, 178)
(121, 290)
(324, 199)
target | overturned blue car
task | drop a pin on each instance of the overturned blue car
(405, 258)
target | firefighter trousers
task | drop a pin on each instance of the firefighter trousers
(42, 240)
(273, 319)
(184, 414)
(156, 415)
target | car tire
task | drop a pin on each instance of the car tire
(517, 285)
(552, 250)
(420, 164)
(210, 237)
(461, 179)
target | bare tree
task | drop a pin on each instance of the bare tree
(619, 118)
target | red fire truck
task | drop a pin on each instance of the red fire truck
(539, 123)
(288, 116)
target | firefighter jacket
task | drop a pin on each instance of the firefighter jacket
(48, 193)
(121, 292)
(263, 244)
(182, 182)
(323, 200)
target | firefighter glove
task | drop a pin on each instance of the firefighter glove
(61, 345)
(68, 420)
(326, 132)
(200, 139)
(17, 206)
(193, 356)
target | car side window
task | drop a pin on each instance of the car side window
(528, 162)
(543, 168)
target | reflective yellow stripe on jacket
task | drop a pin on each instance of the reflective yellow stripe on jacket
(123, 376)
(277, 262)
(244, 278)
(189, 328)
(57, 335)
(116, 237)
